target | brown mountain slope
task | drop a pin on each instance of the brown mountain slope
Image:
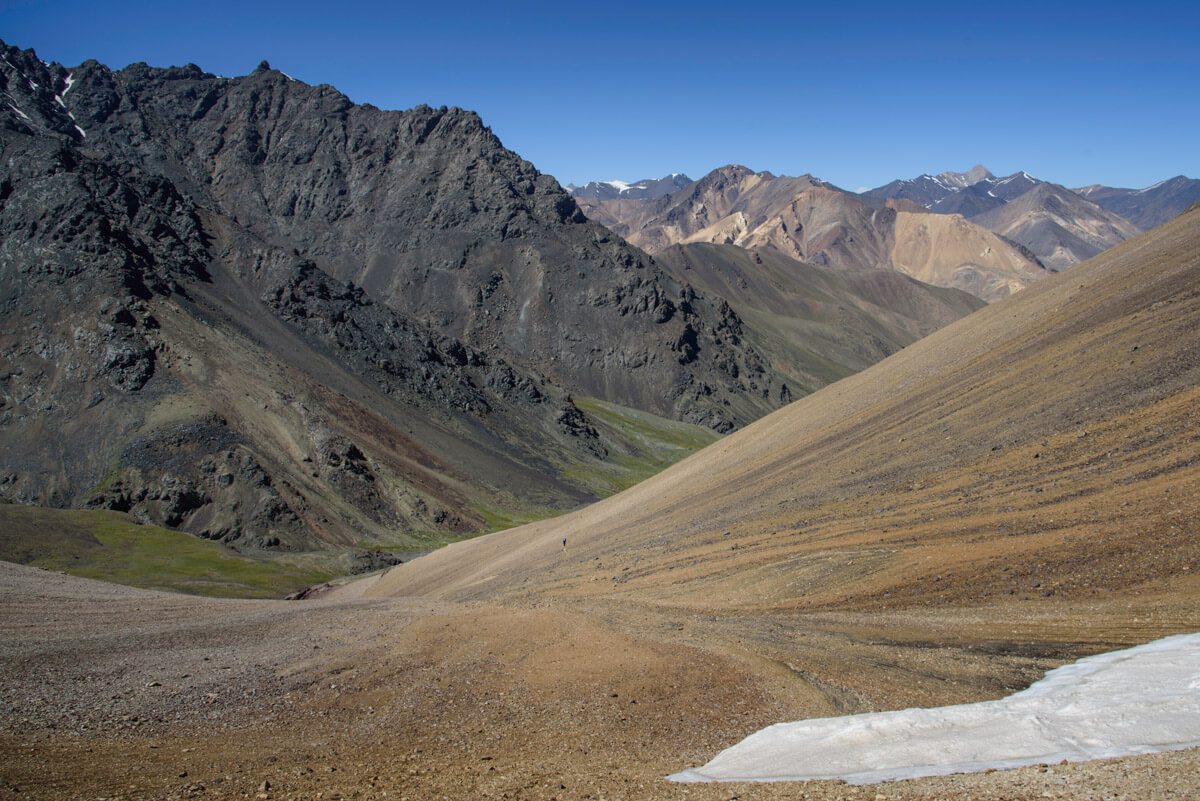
(813, 324)
(816, 222)
(1043, 445)
(1058, 226)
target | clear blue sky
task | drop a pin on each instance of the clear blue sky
(856, 93)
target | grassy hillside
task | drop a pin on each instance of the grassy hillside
(651, 444)
(112, 547)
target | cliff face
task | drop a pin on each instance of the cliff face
(255, 311)
(432, 216)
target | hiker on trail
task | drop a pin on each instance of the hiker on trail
(564, 543)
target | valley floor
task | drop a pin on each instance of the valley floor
(111, 692)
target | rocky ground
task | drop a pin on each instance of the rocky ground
(115, 693)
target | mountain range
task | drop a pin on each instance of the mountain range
(252, 310)
(645, 189)
(1054, 225)
(1149, 207)
(797, 481)
(813, 221)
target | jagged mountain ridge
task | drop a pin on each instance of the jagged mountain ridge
(1148, 207)
(171, 350)
(1060, 226)
(645, 189)
(133, 382)
(813, 221)
(429, 213)
(252, 310)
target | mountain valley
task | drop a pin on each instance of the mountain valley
(347, 328)
(347, 455)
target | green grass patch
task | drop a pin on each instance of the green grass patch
(498, 519)
(640, 445)
(110, 546)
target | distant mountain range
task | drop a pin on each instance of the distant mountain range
(1149, 207)
(1059, 225)
(645, 189)
(1040, 224)
(813, 221)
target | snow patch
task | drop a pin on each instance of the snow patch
(1136, 701)
(20, 113)
(69, 82)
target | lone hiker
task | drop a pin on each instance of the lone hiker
(564, 543)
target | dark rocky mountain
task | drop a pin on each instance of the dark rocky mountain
(645, 189)
(255, 311)
(926, 190)
(817, 325)
(431, 215)
(252, 310)
(968, 201)
(939, 192)
(1149, 207)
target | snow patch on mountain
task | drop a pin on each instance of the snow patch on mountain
(1136, 701)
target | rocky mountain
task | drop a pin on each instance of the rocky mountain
(813, 221)
(645, 189)
(1037, 455)
(931, 191)
(250, 309)
(926, 190)
(813, 324)
(1149, 207)
(1059, 226)
(968, 201)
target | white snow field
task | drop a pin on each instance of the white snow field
(1137, 701)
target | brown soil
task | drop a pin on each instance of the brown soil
(115, 693)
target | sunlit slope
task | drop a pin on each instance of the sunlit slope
(1046, 447)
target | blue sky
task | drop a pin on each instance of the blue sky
(856, 93)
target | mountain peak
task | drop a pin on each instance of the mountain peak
(969, 178)
(644, 189)
(978, 173)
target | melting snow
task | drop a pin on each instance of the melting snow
(1137, 701)
(70, 81)
(23, 115)
(1152, 186)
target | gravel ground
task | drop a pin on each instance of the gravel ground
(114, 693)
